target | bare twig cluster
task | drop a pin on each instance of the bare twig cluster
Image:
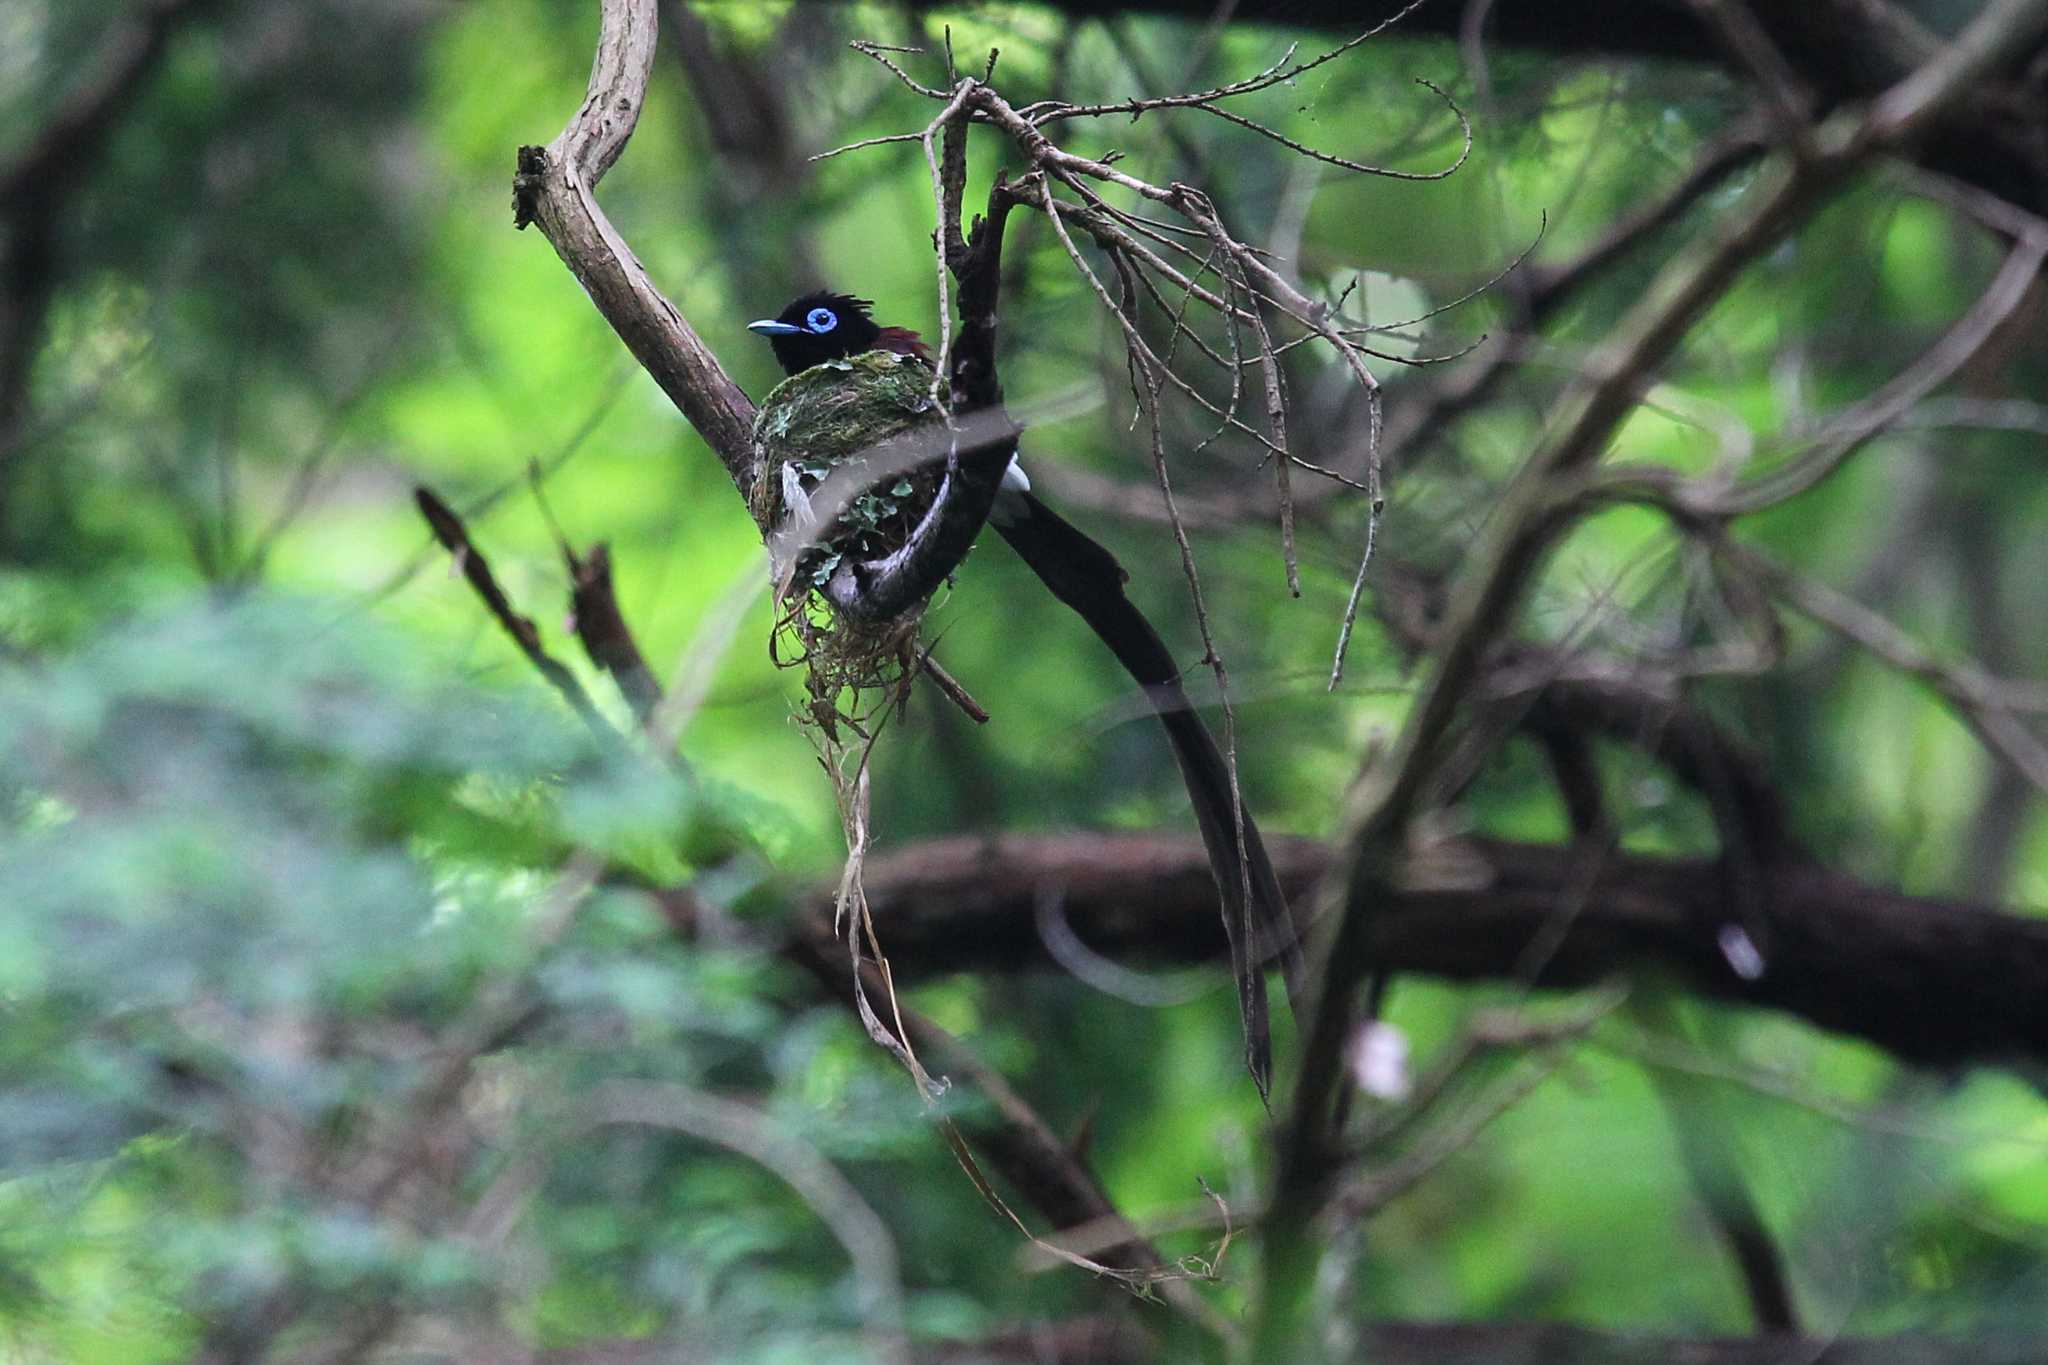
(1544, 500)
(1171, 253)
(1758, 924)
(1207, 318)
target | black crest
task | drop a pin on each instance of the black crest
(817, 328)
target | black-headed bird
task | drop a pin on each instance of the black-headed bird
(822, 327)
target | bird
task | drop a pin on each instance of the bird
(824, 326)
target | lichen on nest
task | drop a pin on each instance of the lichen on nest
(868, 426)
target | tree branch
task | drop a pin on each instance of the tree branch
(602, 628)
(1520, 533)
(1846, 50)
(1937, 982)
(554, 188)
(1107, 1341)
(454, 537)
(1019, 1144)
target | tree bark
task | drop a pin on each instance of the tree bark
(1934, 981)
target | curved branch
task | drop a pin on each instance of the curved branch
(1846, 51)
(1015, 1139)
(1934, 981)
(1106, 1340)
(749, 1133)
(984, 444)
(554, 189)
(1521, 532)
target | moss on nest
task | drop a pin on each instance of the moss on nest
(842, 414)
(831, 414)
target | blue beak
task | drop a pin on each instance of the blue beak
(769, 327)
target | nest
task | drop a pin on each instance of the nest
(842, 474)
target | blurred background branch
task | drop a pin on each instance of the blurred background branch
(1680, 803)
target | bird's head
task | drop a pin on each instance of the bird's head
(817, 328)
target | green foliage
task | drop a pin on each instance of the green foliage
(258, 857)
(286, 823)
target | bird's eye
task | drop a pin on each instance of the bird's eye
(821, 319)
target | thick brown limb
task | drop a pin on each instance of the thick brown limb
(1938, 982)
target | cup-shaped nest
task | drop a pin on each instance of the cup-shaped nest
(844, 470)
(843, 466)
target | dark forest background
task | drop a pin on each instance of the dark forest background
(363, 999)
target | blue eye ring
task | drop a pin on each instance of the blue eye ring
(821, 320)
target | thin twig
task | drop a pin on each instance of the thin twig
(454, 537)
